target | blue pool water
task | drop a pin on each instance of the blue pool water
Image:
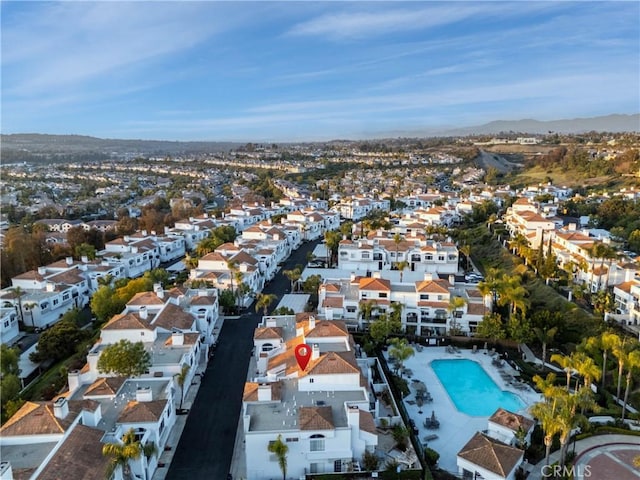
(471, 390)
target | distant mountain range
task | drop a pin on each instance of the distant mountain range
(609, 123)
(23, 146)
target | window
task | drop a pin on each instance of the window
(382, 295)
(6, 324)
(424, 296)
(337, 466)
(365, 255)
(291, 439)
(316, 443)
(55, 301)
(429, 257)
(315, 468)
(351, 309)
(441, 258)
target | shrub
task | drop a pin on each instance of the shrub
(431, 456)
(370, 461)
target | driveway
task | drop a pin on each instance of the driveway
(206, 445)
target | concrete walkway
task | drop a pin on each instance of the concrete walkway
(596, 444)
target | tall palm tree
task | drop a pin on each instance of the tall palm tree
(567, 362)
(122, 453)
(586, 367)
(280, 450)
(366, 309)
(232, 265)
(621, 352)
(19, 293)
(455, 303)
(633, 363)
(514, 294)
(181, 378)
(264, 301)
(605, 342)
(401, 351)
(401, 266)
(545, 412)
(293, 276)
(397, 239)
(545, 336)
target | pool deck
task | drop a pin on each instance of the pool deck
(456, 428)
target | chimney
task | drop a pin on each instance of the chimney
(376, 274)
(157, 289)
(143, 312)
(69, 260)
(84, 259)
(42, 270)
(312, 321)
(73, 379)
(144, 394)
(264, 393)
(428, 276)
(177, 339)
(50, 287)
(61, 408)
(144, 233)
(315, 352)
(353, 416)
(572, 227)
(452, 279)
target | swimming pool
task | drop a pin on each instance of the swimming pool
(471, 390)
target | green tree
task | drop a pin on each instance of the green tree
(491, 327)
(85, 250)
(332, 242)
(545, 412)
(227, 300)
(312, 284)
(280, 450)
(122, 453)
(293, 276)
(400, 350)
(621, 352)
(633, 364)
(124, 359)
(264, 301)
(545, 336)
(60, 341)
(382, 327)
(181, 378)
(568, 364)
(9, 359)
(608, 340)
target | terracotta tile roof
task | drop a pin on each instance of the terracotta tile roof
(474, 293)
(228, 246)
(126, 321)
(333, 302)
(326, 328)
(510, 420)
(490, 454)
(142, 412)
(214, 257)
(37, 418)
(244, 257)
(173, 316)
(427, 303)
(203, 300)
(79, 457)
(334, 362)
(366, 422)
(105, 386)
(433, 286)
(626, 286)
(145, 298)
(250, 393)
(375, 284)
(71, 277)
(30, 275)
(476, 309)
(331, 287)
(264, 333)
(315, 418)
(189, 338)
(176, 291)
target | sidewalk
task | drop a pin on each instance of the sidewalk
(599, 442)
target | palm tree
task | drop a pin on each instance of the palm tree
(264, 301)
(19, 293)
(455, 303)
(513, 293)
(545, 336)
(181, 378)
(366, 309)
(232, 265)
(545, 412)
(633, 363)
(122, 453)
(293, 276)
(397, 239)
(280, 450)
(608, 342)
(567, 362)
(28, 307)
(401, 266)
(586, 368)
(401, 351)
(105, 280)
(621, 352)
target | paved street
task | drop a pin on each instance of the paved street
(206, 445)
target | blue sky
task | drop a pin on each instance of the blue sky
(279, 71)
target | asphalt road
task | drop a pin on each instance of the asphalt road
(206, 445)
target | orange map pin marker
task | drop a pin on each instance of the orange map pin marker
(303, 355)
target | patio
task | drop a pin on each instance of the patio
(453, 429)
